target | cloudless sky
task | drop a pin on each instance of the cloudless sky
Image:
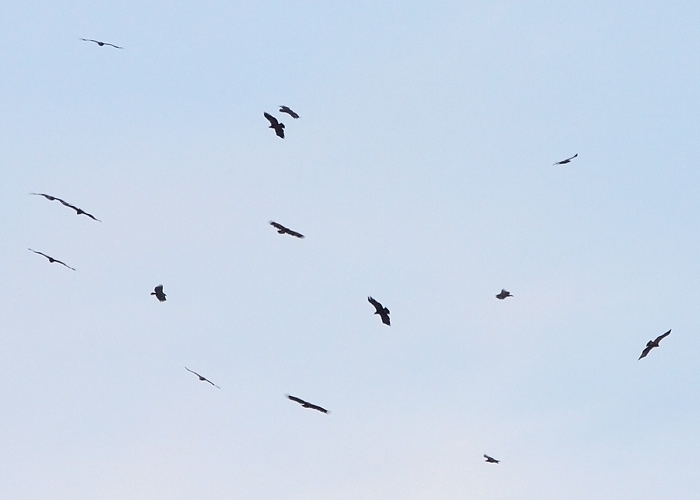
(421, 173)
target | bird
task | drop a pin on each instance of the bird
(284, 230)
(504, 294)
(276, 125)
(78, 211)
(101, 44)
(306, 404)
(653, 343)
(286, 109)
(51, 259)
(491, 460)
(158, 292)
(563, 162)
(381, 310)
(202, 379)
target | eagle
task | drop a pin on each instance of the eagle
(276, 125)
(202, 378)
(158, 292)
(653, 343)
(381, 310)
(285, 230)
(306, 404)
(286, 109)
(101, 44)
(51, 259)
(491, 460)
(78, 211)
(504, 294)
(563, 162)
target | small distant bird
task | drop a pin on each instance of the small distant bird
(381, 310)
(51, 259)
(653, 343)
(274, 124)
(285, 230)
(503, 294)
(306, 404)
(491, 460)
(563, 162)
(158, 292)
(286, 109)
(101, 44)
(78, 211)
(202, 379)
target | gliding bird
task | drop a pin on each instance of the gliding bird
(78, 211)
(51, 259)
(563, 162)
(381, 310)
(276, 125)
(101, 44)
(285, 230)
(158, 292)
(504, 294)
(202, 379)
(653, 343)
(306, 404)
(491, 460)
(286, 109)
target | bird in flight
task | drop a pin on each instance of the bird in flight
(276, 125)
(287, 109)
(306, 404)
(202, 379)
(158, 292)
(285, 230)
(491, 460)
(51, 259)
(78, 211)
(101, 44)
(504, 294)
(381, 310)
(563, 162)
(653, 343)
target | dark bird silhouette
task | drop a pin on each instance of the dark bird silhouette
(78, 211)
(276, 125)
(381, 310)
(101, 44)
(491, 460)
(286, 109)
(51, 259)
(653, 343)
(285, 230)
(306, 404)
(563, 162)
(202, 379)
(158, 292)
(503, 294)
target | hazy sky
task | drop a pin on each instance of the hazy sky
(421, 173)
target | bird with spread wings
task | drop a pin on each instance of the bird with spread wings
(306, 404)
(381, 310)
(653, 343)
(51, 259)
(202, 378)
(78, 211)
(564, 162)
(101, 44)
(285, 230)
(276, 125)
(288, 110)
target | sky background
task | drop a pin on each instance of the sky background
(421, 173)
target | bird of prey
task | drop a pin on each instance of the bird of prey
(504, 294)
(51, 259)
(286, 109)
(653, 343)
(78, 211)
(306, 404)
(381, 310)
(202, 379)
(101, 44)
(158, 292)
(285, 230)
(491, 460)
(563, 162)
(276, 125)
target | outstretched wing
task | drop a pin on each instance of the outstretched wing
(376, 304)
(646, 351)
(40, 253)
(315, 407)
(273, 121)
(288, 110)
(297, 400)
(280, 228)
(60, 262)
(562, 162)
(662, 336)
(112, 45)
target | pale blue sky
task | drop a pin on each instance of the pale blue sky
(421, 173)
